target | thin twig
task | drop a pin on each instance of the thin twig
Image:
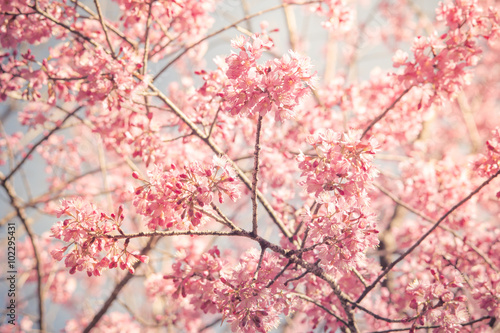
(146, 41)
(318, 304)
(259, 264)
(213, 123)
(227, 221)
(109, 26)
(278, 275)
(360, 277)
(101, 19)
(255, 175)
(382, 115)
(28, 154)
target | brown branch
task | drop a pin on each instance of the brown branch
(21, 213)
(255, 175)
(382, 115)
(177, 233)
(318, 304)
(429, 327)
(453, 232)
(424, 236)
(101, 19)
(4, 180)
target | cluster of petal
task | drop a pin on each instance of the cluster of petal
(177, 199)
(340, 232)
(487, 291)
(87, 229)
(436, 303)
(341, 225)
(245, 299)
(341, 165)
(442, 61)
(58, 283)
(427, 183)
(19, 22)
(276, 87)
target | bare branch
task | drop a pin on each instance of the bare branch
(318, 304)
(255, 175)
(101, 19)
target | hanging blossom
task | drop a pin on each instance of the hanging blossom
(437, 303)
(277, 86)
(340, 233)
(88, 230)
(342, 165)
(174, 198)
(442, 62)
(342, 226)
(247, 299)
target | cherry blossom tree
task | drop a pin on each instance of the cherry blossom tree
(287, 166)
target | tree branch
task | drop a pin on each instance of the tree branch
(21, 213)
(28, 154)
(382, 115)
(255, 175)
(424, 236)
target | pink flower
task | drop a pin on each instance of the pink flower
(277, 86)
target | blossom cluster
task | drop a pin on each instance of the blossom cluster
(173, 198)
(250, 296)
(88, 230)
(341, 165)
(441, 61)
(437, 303)
(342, 227)
(277, 86)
